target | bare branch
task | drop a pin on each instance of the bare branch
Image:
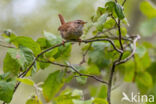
(123, 2)
(84, 55)
(117, 62)
(120, 35)
(75, 70)
(58, 45)
(113, 37)
(6, 46)
(104, 39)
(133, 52)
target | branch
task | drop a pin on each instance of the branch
(113, 37)
(25, 72)
(123, 2)
(6, 46)
(120, 35)
(133, 52)
(105, 39)
(117, 62)
(58, 45)
(75, 70)
(84, 55)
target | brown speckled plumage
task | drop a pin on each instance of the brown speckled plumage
(71, 30)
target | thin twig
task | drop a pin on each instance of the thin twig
(113, 37)
(118, 62)
(120, 36)
(6, 46)
(133, 52)
(75, 70)
(115, 62)
(123, 2)
(84, 55)
(58, 45)
(105, 39)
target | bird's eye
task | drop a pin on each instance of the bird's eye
(78, 22)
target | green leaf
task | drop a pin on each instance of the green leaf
(129, 69)
(100, 101)
(4, 76)
(34, 100)
(10, 65)
(109, 24)
(144, 81)
(63, 51)
(151, 70)
(148, 27)
(51, 53)
(43, 65)
(29, 43)
(42, 42)
(81, 79)
(82, 102)
(102, 92)
(98, 91)
(52, 39)
(26, 81)
(6, 90)
(52, 85)
(146, 61)
(67, 96)
(98, 54)
(147, 9)
(140, 51)
(119, 11)
(100, 22)
(23, 56)
(143, 63)
(110, 6)
(100, 11)
(93, 69)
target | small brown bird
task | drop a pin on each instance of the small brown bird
(71, 30)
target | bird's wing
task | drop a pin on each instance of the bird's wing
(65, 27)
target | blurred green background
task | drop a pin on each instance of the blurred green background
(32, 17)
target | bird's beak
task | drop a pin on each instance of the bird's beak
(84, 22)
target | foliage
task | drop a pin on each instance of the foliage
(102, 54)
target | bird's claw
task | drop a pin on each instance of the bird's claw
(63, 43)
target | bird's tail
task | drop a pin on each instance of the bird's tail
(61, 19)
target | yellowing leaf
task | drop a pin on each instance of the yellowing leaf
(100, 101)
(147, 9)
(26, 81)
